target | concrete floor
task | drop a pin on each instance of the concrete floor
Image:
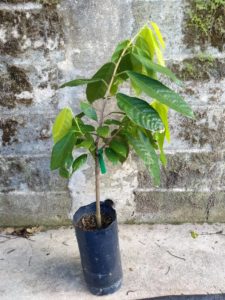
(157, 260)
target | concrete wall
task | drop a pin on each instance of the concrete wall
(44, 43)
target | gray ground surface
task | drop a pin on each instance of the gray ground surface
(157, 260)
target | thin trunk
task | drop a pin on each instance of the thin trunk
(97, 169)
(97, 191)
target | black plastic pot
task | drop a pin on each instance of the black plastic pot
(99, 252)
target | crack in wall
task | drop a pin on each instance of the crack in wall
(210, 204)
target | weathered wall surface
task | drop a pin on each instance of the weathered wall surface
(45, 43)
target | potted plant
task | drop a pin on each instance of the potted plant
(103, 134)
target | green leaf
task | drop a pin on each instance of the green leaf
(162, 93)
(140, 112)
(151, 66)
(97, 90)
(63, 172)
(62, 149)
(78, 82)
(117, 81)
(146, 152)
(89, 111)
(119, 49)
(87, 143)
(112, 156)
(145, 41)
(194, 234)
(119, 147)
(158, 51)
(79, 162)
(86, 128)
(160, 137)
(125, 65)
(103, 131)
(62, 124)
(112, 122)
(158, 34)
(163, 113)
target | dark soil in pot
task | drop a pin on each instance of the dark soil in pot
(89, 223)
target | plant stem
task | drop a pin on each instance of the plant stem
(97, 169)
(97, 191)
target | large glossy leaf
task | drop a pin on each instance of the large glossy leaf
(162, 93)
(119, 49)
(140, 112)
(79, 162)
(150, 65)
(62, 150)
(89, 111)
(77, 82)
(97, 90)
(62, 124)
(146, 152)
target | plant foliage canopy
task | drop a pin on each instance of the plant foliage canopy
(138, 124)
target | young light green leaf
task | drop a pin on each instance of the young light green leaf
(158, 34)
(119, 147)
(162, 93)
(140, 112)
(160, 137)
(62, 149)
(97, 90)
(112, 156)
(79, 162)
(145, 41)
(163, 113)
(103, 131)
(146, 152)
(88, 110)
(151, 66)
(62, 124)
(158, 51)
(77, 82)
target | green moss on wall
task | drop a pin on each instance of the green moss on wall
(201, 67)
(205, 23)
(45, 2)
